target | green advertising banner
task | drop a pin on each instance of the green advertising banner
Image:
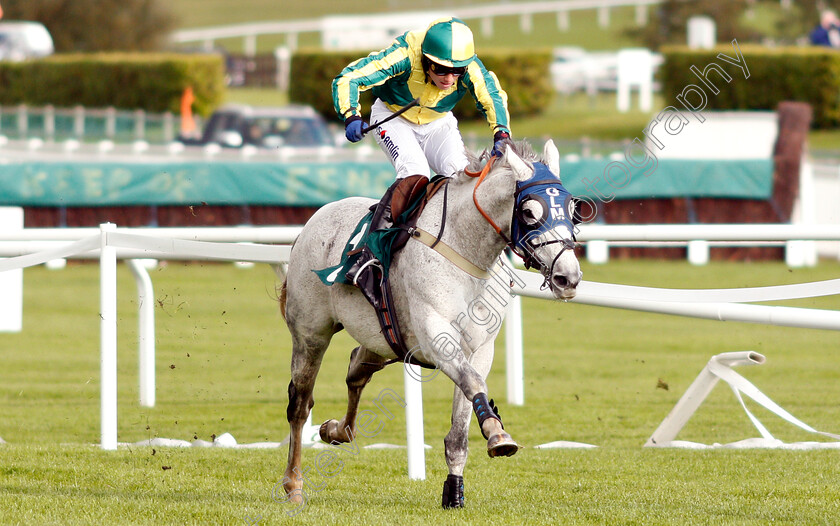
(80, 184)
(736, 179)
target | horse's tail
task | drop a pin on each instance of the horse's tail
(282, 299)
(280, 270)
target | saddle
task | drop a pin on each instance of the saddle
(408, 199)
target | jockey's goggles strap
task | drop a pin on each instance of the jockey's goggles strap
(449, 253)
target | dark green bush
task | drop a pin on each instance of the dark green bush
(311, 76)
(153, 82)
(524, 75)
(806, 74)
(99, 25)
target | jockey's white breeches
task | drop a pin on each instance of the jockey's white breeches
(435, 148)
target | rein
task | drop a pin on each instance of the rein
(435, 243)
(481, 176)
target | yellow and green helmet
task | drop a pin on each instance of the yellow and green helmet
(449, 42)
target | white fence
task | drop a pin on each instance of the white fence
(485, 13)
(36, 149)
(36, 246)
(51, 123)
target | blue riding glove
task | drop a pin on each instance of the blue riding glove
(353, 128)
(499, 139)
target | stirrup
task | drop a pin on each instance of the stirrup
(363, 276)
(375, 262)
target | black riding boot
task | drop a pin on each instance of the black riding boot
(367, 272)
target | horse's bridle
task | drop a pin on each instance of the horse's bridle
(528, 257)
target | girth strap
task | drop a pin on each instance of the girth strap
(449, 253)
(388, 321)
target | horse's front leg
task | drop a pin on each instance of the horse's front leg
(440, 345)
(363, 364)
(450, 359)
(455, 445)
(456, 441)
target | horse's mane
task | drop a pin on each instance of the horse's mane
(522, 148)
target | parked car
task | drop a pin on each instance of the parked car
(234, 126)
(24, 40)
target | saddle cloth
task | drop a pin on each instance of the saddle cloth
(384, 242)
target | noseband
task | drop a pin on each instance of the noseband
(545, 189)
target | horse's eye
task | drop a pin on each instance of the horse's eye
(532, 212)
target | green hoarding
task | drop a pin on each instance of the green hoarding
(80, 184)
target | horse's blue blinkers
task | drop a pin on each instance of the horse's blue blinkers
(555, 208)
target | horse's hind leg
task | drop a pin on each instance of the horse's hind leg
(307, 353)
(363, 364)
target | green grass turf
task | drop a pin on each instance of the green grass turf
(591, 376)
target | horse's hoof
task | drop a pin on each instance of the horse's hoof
(295, 496)
(293, 489)
(453, 492)
(501, 445)
(331, 432)
(324, 431)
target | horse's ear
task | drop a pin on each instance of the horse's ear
(552, 157)
(520, 168)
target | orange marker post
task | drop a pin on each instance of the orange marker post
(188, 127)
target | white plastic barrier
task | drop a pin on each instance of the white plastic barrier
(800, 249)
(111, 245)
(697, 393)
(712, 304)
(720, 368)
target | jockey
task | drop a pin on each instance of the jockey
(438, 66)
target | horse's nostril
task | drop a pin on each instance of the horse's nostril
(560, 281)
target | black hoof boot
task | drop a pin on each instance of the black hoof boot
(453, 492)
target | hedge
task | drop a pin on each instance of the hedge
(806, 74)
(524, 75)
(152, 82)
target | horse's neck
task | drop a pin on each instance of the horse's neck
(466, 231)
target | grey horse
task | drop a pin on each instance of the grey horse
(449, 316)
